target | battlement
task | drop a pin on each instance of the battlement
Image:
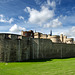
(12, 36)
(53, 38)
(8, 36)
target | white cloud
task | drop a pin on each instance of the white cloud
(47, 3)
(53, 23)
(63, 17)
(38, 1)
(43, 16)
(51, 4)
(2, 19)
(40, 17)
(21, 17)
(16, 28)
(70, 32)
(1, 15)
(73, 29)
(10, 20)
(67, 20)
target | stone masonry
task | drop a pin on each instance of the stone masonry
(20, 48)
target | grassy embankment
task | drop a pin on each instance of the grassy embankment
(41, 67)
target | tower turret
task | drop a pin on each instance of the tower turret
(50, 32)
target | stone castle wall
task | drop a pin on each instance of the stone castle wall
(20, 48)
(14, 49)
(44, 48)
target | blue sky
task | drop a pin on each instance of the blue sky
(39, 15)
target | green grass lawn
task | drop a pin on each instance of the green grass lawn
(47, 67)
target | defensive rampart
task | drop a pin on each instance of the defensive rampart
(44, 48)
(19, 48)
(14, 47)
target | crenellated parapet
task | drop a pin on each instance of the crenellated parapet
(8, 36)
(12, 36)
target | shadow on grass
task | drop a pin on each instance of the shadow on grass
(38, 60)
(42, 60)
(33, 60)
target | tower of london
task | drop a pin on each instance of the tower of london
(30, 45)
